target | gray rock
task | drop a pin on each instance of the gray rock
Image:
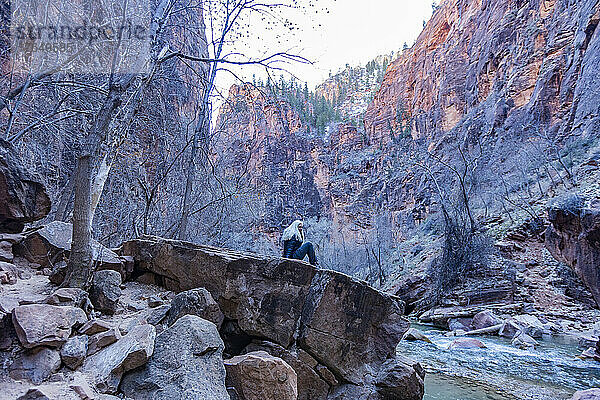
(35, 394)
(401, 379)
(8, 273)
(74, 351)
(155, 301)
(484, 319)
(524, 341)
(509, 329)
(35, 365)
(24, 197)
(590, 394)
(107, 366)
(105, 291)
(412, 334)
(313, 379)
(94, 326)
(356, 342)
(259, 375)
(68, 297)
(45, 324)
(51, 244)
(103, 339)
(531, 325)
(463, 324)
(197, 302)
(187, 364)
(6, 253)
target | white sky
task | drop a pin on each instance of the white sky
(353, 32)
(356, 31)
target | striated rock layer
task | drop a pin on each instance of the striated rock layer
(504, 67)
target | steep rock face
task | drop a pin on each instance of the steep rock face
(347, 326)
(262, 138)
(508, 67)
(23, 198)
(574, 238)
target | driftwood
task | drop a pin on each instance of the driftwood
(485, 331)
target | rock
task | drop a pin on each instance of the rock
(6, 253)
(107, 366)
(68, 297)
(466, 343)
(187, 363)
(8, 273)
(509, 329)
(23, 198)
(74, 351)
(589, 354)
(524, 341)
(94, 326)
(573, 238)
(313, 379)
(45, 324)
(401, 379)
(82, 388)
(197, 302)
(35, 394)
(531, 325)
(51, 244)
(35, 365)
(259, 375)
(103, 339)
(105, 291)
(355, 342)
(463, 324)
(484, 319)
(58, 273)
(413, 334)
(590, 394)
(155, 301)
(8, 336)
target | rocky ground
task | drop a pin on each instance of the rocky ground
(263, 329)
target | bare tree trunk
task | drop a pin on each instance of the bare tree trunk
(190, 177)
(79, 270)
(98, 184)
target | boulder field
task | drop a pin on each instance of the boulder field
(202, 323)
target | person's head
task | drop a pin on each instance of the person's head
(295, 230)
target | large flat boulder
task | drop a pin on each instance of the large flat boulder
(187, 364)
(23, 198)
(573, 238)
(52, 243)
(45, 324)
(348, 328)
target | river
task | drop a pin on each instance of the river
(500, 371)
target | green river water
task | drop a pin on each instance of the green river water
(500, 371)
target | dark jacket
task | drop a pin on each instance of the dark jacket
(290, 247)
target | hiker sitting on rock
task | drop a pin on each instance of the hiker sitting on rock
(294, 245)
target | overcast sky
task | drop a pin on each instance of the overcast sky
(338, 32)
(356, 31)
